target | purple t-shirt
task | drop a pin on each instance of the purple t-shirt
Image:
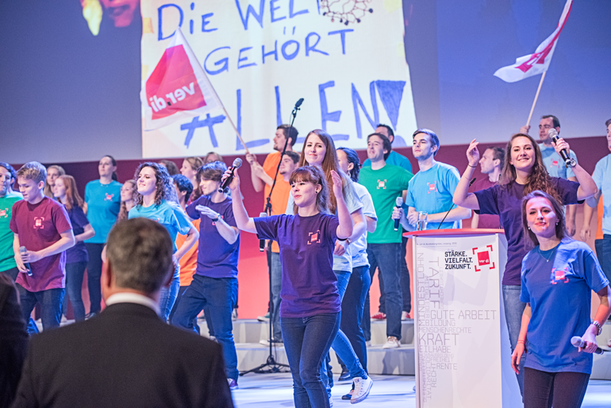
(216, 258)
(506, 201)
(486, 220)
(78, 219)
(39, 226)
(309, 285)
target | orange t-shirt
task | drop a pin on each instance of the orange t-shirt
(188, 263)
(280, 195)
(599, 215)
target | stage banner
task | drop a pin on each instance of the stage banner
(459, 324)
(346, 60)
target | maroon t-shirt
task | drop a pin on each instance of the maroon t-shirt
(39, 226)
(485, 220)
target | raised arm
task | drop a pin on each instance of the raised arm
(243, 221)
(345, 227)
(587, 186)
(462, 197)
(257, 183)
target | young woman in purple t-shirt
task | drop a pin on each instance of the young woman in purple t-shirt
(310, 308)
(523, 172)
(558, 276)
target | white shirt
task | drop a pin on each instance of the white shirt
(128, 297)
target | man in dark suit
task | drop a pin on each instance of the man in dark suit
(126, 356)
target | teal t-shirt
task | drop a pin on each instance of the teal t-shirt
(556, 167)
(385, 185)
(432, 190)
(103, 205)
(395, 159)
(7, 256)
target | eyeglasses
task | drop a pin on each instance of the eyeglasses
(545, 126)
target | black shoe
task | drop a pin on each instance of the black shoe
(345, 376)
(347, 397)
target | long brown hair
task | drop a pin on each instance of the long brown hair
(329, 163)
(314, 175)
(538, 179)
(73, 199)
(123, 212)
(164, 184)
(556, 206)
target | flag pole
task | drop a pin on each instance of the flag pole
(532, 109)
(228, 117)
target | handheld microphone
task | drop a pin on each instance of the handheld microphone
(563, 153)
(236, 165)
(262, 241)
(444, 217)
(398, 203)
(579, 342)
(22, 250)
(298, 104)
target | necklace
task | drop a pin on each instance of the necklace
(551, 254)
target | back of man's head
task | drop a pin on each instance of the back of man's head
(139, 253)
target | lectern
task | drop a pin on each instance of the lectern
(462, 346)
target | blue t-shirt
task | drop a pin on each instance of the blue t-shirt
(394, 159)
(309, 285)
(558, 291)
(506, 201)
(432, 190)
(216, 258)
(556, 167)
(103, 206)
(170, 215)
(602, 178)
(78, 253)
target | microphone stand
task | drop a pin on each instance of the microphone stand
(271, 365)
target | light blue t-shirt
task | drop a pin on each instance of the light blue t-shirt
(557, 284)
(103, 206)
(359, 247)
(340, 262)
(556, 167)
(432, 190)
(394, 159)
(602, 178)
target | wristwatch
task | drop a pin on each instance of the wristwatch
(598, 326)
(571, 162)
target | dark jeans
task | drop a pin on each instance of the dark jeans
(13, 272)
(218, 296)
(386, 257)
(307, 341)
(352, 312)
(562, 390)
(514, 308)
(50, 301)
(603, 252)
(94, 272)
(181, 291)
(405, 282)
(74, 284)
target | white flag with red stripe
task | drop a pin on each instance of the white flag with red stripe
(538, 62)
(177, 88)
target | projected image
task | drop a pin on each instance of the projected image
(121, 12)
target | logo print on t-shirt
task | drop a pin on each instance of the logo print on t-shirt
(314, 237)
(38, 223)
(560, 275)
(4, 213)
(432, 187)
(555, 163)
(108, 197)
(381, 184)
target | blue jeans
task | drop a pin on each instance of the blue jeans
(50, 301)
(167, 297)
(276, 280)
(405, 282)
(352, 311)
(94, 272)
(386, 257)
(307, 341)
(603, 252)
(514, 309)
(181, 291)
(74, 284)
(217, 296)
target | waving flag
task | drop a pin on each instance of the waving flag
(538, 62)
(177, 88)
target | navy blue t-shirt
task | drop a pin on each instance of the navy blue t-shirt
(309, 285)
(78, 253)
(506, 202)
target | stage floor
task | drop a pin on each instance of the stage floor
(275, 391)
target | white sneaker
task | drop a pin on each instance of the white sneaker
(362, 386)
(234, 315)
(368, 343)
(405, 316)
(391, 342)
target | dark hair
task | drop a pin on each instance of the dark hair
(498, 153)
(289, 133)
(183, 184)
(555, 120)
(293, 155)
(388, 128)
(139, 254)
(114, 163)
(170, 166)
(212, 171)
(385, 143)
(10, 170)
(164, 184)
(607, 123)
(432, 136)
(314, 175)
(556, 206)
(354, 159)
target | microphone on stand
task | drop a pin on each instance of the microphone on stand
(262, 241)
(579, 342)
(553, 133)
(444, 217)
(298, 103)
(236, 165)
(398, 203)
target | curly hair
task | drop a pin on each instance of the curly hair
(164, 184)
